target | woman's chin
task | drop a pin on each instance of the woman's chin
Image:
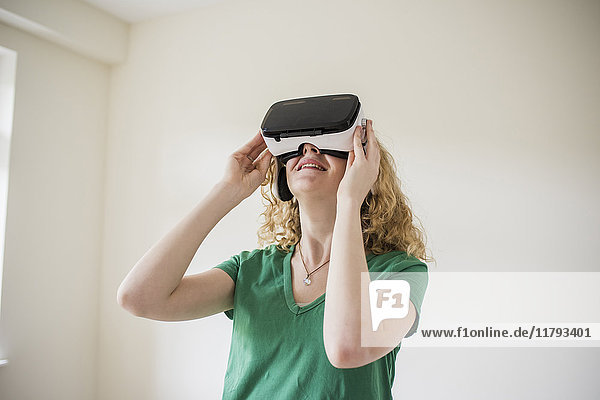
(311, 192)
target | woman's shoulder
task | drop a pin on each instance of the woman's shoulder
(400, 260)
(269, 251)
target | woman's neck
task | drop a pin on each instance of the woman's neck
(317, 221)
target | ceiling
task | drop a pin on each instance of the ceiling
(139, 10)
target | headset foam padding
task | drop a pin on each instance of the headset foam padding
(282, 190)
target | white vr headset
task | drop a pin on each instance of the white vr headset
(327, 122)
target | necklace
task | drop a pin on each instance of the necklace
(308, 274)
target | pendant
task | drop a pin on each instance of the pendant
(307, 281)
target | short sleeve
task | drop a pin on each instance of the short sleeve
(413, 271)
(417, 278)
(231, 267)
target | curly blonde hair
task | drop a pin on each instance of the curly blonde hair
(386, 218)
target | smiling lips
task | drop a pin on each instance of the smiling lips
(311, 164)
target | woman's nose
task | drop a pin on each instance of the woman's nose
(306, 147)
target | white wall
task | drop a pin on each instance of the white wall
(490, 108)
(50, 297)
(74, 24)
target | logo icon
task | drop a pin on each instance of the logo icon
(388, 299)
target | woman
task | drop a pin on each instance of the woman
(290, 341)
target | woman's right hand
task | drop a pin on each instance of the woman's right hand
(243, 174)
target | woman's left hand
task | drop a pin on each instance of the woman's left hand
(361, 169)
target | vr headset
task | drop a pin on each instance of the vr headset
(327, 122)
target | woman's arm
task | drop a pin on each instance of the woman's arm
(343, 320)
(151, 283)
(156, 288)
(347, 307)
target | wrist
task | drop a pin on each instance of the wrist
(228, 192)
(348, 204)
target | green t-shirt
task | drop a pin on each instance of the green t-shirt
(277, 349)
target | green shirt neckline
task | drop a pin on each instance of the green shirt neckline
(287, 282)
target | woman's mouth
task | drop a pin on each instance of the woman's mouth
(311, 166)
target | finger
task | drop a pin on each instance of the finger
(257, 151)
(372, 145)
(265, 162)
(358, 148)
(350, 159)
(254, 147)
